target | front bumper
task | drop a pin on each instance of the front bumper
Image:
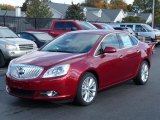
(32, 89)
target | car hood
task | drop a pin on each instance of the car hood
(48, 59)
(157, 33)
(16, 41)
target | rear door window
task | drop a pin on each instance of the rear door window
(122, 25)
(60, 26)
(130, 26)
(111, 41)
(126, 40)
(139, 28)
(70, 26)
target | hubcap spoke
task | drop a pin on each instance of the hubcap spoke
(144, 73)
(88, 89)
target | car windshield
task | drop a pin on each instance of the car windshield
(43, 36)
(148, 28)
(7, 33)
(86, 25)
(72, 43)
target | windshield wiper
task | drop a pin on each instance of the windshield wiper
(11, 37)
(64, 51)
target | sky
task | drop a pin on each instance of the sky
(20, 2)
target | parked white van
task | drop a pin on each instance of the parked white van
(141, 29)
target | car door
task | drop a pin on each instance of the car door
(140, 30)
(131, 54)
(111, 64)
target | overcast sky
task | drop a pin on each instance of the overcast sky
(20, 2)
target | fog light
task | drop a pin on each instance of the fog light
(49, 93)
(7, 88)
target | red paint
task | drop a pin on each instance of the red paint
(111, 69)
(55, 33)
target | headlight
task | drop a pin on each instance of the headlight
(57, 71)
(9, 70)
(11, 47)
(34, 46)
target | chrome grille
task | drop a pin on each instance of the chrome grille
(26, 46)
(23, 72)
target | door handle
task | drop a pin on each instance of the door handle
(121, 56)
(137, 51)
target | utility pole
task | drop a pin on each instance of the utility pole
(153, 11)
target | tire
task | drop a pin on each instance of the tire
(2, 60)
(87, 89)
(143, 74)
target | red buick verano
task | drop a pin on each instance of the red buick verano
(78, 64)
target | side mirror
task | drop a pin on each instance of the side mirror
(109, 50)
(18, 35)
(74, 29)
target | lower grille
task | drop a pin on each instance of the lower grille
(26, 46)
(25, 93)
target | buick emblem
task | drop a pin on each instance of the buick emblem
(20, 72)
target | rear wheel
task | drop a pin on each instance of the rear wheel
(143, 74)
(2, 60)
(87, 89)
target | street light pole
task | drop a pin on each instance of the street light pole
(153, 11)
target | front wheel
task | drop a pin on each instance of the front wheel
(87, 89)
(143, 74)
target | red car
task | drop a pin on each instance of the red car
(78, 64)
(60, 27)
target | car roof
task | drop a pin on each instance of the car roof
(3, 27)
(100, 32)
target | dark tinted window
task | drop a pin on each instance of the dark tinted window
(122, 25)
(27, 36)
(60, 26)
(111, 41)
(139, 28)
(127, 42)
(130, 26)
(70, 26)
(72, 43)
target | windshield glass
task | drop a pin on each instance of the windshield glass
(86, 25)
(43, 36)
(148, 28)
(7, 33)
(73, 43)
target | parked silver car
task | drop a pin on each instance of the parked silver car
(11, 46)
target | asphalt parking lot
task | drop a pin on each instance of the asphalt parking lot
(123, 102)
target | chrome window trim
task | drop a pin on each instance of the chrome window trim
(117, 49)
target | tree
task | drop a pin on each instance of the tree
(24, 6)
(129, 8)
(157, 17)
(101, 4)
(133, 19)
(37, 8)
(118, 4)
(142, 6)
(95, 3)
(6, 7)
(88, 3)
(74, 12)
